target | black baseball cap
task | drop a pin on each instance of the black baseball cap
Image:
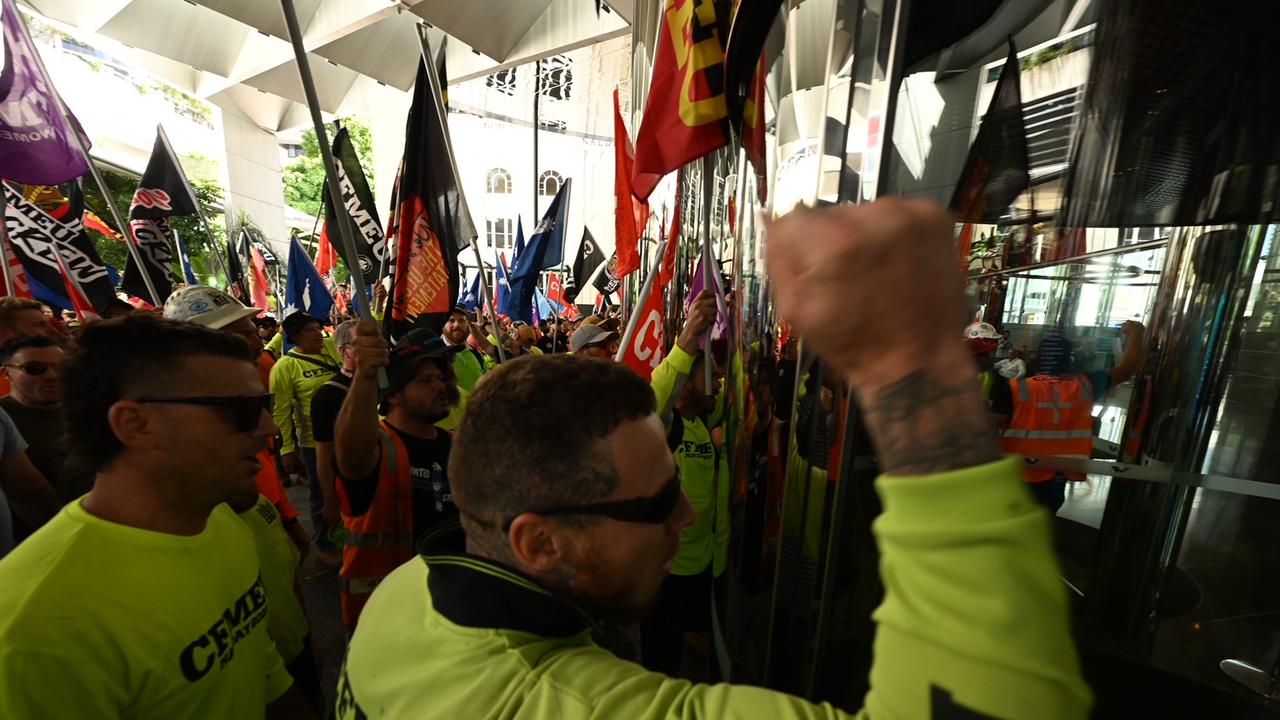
(407, 358)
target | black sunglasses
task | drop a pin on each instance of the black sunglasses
(246, 410)
(34, 367)
(651, 510)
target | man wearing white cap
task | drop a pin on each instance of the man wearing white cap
(268, 512)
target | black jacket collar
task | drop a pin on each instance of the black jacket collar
(477, 592)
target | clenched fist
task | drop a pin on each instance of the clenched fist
(874, 289)
(369, 350)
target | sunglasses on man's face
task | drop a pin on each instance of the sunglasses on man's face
(246, 410)
(34, 367)
(651, 510)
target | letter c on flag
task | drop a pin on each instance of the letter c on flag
(647, 335)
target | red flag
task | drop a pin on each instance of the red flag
(97, 224)
(667, 268)
(646, 349)
(753, 132)
(259, 287)
(326, 256)
(79, 302)
(629, 214)
(21, 288)
(685, 116)
(555, 293)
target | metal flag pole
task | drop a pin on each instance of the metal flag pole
(131, 240)
(204, 222)
(314, 240)
(537, 81)
(706, 266)
(10, 288)
(434, 81)
(634, 320)
(326, 154)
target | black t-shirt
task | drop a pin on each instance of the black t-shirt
(436, 528)
(43, 429)
(325, 405)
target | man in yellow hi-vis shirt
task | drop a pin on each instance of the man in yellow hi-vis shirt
(295, 378)
(144, 598)
(580, 517)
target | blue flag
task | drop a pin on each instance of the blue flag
(544, 250)
(519, 241)
(471, 299)
(187, 272)
(504, 285)
(304, 291)
(544, 309)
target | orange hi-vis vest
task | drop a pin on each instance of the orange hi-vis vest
(380, 540)
(1051, 416)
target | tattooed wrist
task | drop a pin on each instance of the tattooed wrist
(929, 422)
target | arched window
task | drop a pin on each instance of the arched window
(549, 183)
(499, 182)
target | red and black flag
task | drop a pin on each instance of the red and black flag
(162, 193)
(357, 200)
(432, 223)
(744, 76)
(996, 170)
(685, 116)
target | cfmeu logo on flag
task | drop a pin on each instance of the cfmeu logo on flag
(149, 198)
(700, 57)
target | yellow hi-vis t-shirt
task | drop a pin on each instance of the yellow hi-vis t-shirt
(279, 557)
(100, 620)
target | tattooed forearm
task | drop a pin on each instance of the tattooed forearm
(921, 424)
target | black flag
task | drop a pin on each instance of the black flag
(44, 246)
(996, 170)
(358, 200)
(163, 192)
(588, 259)
(607, 281)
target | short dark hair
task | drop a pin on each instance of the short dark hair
(529, 436)
(10, 306)
(22, 342)
(116, 359)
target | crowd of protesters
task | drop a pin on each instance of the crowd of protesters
(498, 518)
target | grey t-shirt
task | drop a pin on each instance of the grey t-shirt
(11, 443)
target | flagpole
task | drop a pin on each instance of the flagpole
(441, 112)
(706, 265)
(537, 81)
(4, 244)
(326, 156)
(314, 241)
(634, 319)
(73, 285)
(204, 222)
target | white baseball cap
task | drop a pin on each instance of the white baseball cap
(206, 306)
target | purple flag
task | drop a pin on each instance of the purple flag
(721, 328)
(36, 146)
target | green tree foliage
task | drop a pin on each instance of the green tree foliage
(304, 175)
